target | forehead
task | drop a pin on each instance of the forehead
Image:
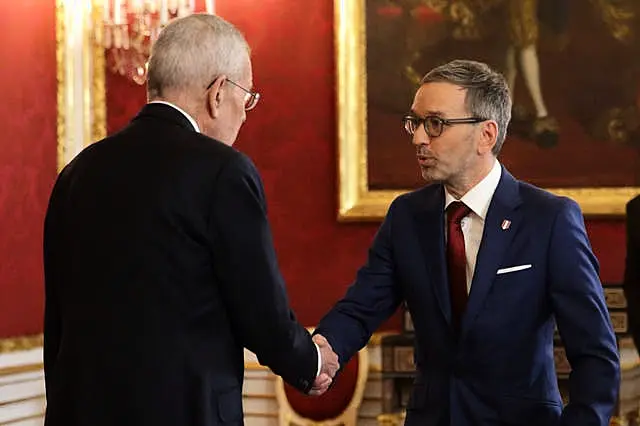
(441, 98)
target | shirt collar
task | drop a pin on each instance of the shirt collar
(479, 197)
(191, 120)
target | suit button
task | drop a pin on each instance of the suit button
(304, 383)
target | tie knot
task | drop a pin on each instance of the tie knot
(456, 211)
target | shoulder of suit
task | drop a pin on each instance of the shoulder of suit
(81, 157)
(419, 194)
(543, 201)
(206, 148)
(202, 147)
(416, 199)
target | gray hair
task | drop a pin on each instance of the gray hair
(192, 51)
(487, 94)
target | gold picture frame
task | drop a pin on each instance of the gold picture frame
(356, 201)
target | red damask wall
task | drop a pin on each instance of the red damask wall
(27, 158)
(291, 137)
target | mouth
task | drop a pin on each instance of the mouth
(425, 160)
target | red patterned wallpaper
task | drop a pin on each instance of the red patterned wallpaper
(28, 159)
(291, 137)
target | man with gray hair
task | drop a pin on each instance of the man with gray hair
(159, 261)
(487, 266)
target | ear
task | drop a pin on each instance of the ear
(488, 136)
(215, 96)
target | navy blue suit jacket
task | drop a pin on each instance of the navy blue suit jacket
(500, 368)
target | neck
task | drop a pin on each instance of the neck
(462, 184)
(181, 100)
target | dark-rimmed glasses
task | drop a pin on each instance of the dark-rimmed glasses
(434, 125)
(251, 98)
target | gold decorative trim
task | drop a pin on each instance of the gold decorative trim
(367, 416)
(376, 338)
(98, 83)
(94, 124)
(629, 365)
(259, 396)
(21, 343)
(19, 369)
(356, 201)
(391, 419)
(371, 398)
(22, 419)
(61, 58)
(20, 400)
(268, 415)
(254, 366)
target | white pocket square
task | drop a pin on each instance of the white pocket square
(513, 269)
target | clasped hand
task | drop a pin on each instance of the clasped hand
(330, 366)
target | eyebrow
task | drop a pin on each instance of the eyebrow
(438, 113)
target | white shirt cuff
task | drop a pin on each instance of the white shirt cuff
(319, 359)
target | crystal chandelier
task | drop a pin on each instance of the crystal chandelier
(131, 27)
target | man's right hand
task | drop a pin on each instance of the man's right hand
(330, 366)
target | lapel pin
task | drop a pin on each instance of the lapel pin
(505, 224)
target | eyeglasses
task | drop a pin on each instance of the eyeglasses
(250, 99)
(434, 125)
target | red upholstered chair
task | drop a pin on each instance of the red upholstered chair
(338, 406)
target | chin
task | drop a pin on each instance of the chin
(430, 175)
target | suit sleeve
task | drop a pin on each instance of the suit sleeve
(632, 269)
(583, 322)
(54, 249)
(370, 300)
(251, 285)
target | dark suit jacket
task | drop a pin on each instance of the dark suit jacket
(632, 268)
(159, 269)
(500, 369)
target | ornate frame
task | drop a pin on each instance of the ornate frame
(82, 112)
(356, 201)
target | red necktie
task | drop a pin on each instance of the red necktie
(457, 260)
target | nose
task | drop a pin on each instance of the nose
(420, 136)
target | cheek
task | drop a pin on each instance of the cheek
(456, 150)
(445, 151)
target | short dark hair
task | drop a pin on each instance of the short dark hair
(487, 96)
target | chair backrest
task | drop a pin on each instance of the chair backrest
(338, 406)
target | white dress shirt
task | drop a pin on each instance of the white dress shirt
(197, 129)
(477, 199)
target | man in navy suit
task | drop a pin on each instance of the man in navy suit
(487, 265)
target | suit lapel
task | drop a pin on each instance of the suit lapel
(429, 219)
(495, 243)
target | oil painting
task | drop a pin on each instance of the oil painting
(573, 67)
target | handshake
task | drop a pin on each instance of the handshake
(329, 368)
